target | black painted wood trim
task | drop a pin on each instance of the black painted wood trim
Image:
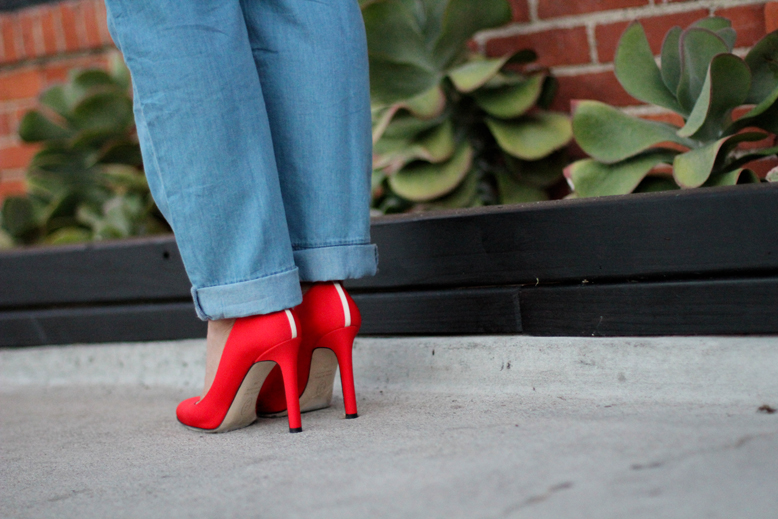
(155, 322)
(710, 307)
(707, 231)
(716, 231)
(441, 312)
(469, 311)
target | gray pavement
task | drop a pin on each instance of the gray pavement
(484, 427)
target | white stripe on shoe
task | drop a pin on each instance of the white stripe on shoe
(291, 323)
(344, 302)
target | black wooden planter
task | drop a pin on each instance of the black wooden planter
(685, 262)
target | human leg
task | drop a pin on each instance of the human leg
(207, 143)
(311, 59)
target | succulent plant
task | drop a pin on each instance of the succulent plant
(86, 181)
(452, 128)
(701, 80)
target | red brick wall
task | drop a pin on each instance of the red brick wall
(38, 46)
(576, 38)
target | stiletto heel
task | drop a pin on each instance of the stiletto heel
(288, 366)
(330, 321)
(341, 342)
(253, 348)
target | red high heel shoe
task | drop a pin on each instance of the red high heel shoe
(254, 347)
(330, 320)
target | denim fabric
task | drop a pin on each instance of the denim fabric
(254, 123)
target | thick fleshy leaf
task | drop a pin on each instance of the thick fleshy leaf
(391, 82)
(712, 23)
(109, 111)
(730, 178)
(692, 169)
(122, 152)
(772, 175)
(510, 101)
(637, 72)
(463, 196)
(762, 59)
(538, 173)
(424, 182)
(119, 71)
(406, 126)
(65, 235)
(474, 74)
(764, 115)
(18, 216)
(513, 191)
(721, 26)
(610, 136)
(533, 136)
(35, 127)
(435, 145)
(726, 86)
(656, 183)
(671, 59)
(461, 20)
(751, 156)
(427, 105)
(591, 178)
(698, 47)
(393, 34)
(56, 99)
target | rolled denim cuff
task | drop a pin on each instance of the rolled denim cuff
(337, 262)
(253, 297)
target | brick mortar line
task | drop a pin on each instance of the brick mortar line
(606, 17)
(11, 105)
(37, 31)
(45, 60)
(12, 175)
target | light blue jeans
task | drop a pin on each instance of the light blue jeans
(254, 123)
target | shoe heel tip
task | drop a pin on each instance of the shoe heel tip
(351, 416)
(295, 429)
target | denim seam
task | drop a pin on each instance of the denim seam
(308, 246)
(249, 279)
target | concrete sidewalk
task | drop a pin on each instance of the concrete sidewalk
(449, 427)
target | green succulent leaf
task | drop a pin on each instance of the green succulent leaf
(56, 99)
(461, 20)
(391, 82)
(423, 182)
(656, 183)
(671, 59)
(751, 156)
(435, 145)
(393, 33)
(513, 191)
(591, 178)
(66, 235)
(698, 47)
(764, 115)
(35, 127)
(406, 126)
(538, 173)
(772, 175)
(122, 152)
(726, 86)
(730, 178)
(762, 59)
(427, 105)
(105, 111)
(712, 23)
(510, 101)
(637, 72)
(120, 74)
(18, 216)
(533, 136)
(474, 74)
(692, 169)
(721, 26)
(611, 136)
(463, 196)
